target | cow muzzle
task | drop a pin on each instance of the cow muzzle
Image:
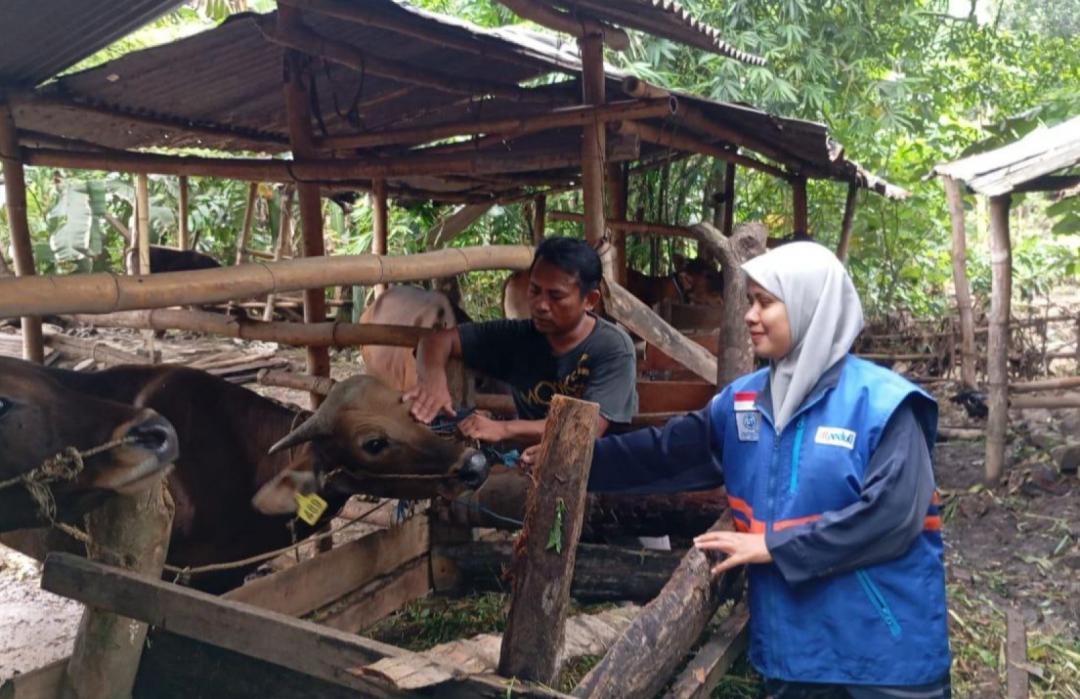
(474, 468)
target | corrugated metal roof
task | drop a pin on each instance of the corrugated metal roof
(663, 18)
(1000, 171)
(40, 38)
(222, 89)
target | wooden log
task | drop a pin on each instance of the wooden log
(380, 225)
(997, 344)
(97, 350)
(22, 247)
(659, 136)
(954, 197)
(104, 292)
(539, 219)
(245, 229)
(601, 573)
(798, 199)
(641, 319)
(1068, 400)
(616, 187)
(183, 240)
(847, 222)
(284, 244)
(1044, 384)
(574, 25)
(593, 146)
(326, 654)
(748, 241)
(714, 658)
(668, 627)
(453, 225)
(132, 533)
(507, 128)
(45, 682)
(729, 201)
(946, 434)
(629, 227)
(1016, 673)
(547, 548)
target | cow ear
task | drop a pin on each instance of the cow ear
(278, 496)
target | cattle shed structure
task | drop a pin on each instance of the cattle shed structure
(1045, 160)
(383, 98)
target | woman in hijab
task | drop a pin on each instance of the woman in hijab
(826, 462)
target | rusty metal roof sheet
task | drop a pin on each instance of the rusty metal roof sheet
(40, 38)
(663, 18)
(1000, 171)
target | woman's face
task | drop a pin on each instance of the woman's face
(767, 319)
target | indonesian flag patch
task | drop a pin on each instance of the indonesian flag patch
(744, 400)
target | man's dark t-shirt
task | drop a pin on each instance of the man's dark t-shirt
(600, 369)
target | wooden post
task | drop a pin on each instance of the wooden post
(183, 238)
(954, 196)
(543, 565)
(846, 222)
(616, 189)
(15, 190)
(594, 146)
(379, 224)
(1016, 674)
(729, 200)
(284, 243)
(244, 238)
(798, 197)
(997, 344)
(299, 120)
(539, 218)
(142, 235)
(130, 532)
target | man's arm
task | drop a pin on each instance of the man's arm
(431, 395)
(523, 432)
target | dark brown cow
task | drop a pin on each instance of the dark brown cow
(236, 446)
(163, 259)
(39, 418)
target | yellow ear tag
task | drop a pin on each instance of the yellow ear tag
(310, 507)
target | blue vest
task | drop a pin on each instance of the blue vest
(881, 625)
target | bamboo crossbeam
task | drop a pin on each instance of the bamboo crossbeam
(303, 39)
(630, 227)
(509, 127)
(105, 292)
(656, 135)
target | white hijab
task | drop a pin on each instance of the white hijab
(823, 311)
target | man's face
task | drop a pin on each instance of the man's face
(555, 301)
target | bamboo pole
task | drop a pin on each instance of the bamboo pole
(729, 200)
(616, 189)
(997, 345)
(295, 36)
(1067, 400)
(284, 243)
(142, 234)
(593, 144)
(629, 227)
(507, 127)
(847, 222)
(659, 136)
(539, 219)
(249, 216)
(379, 220)
(798, 197)
(566, 23)
(183, 238)
(104, 292)
(954, 197)
(1045, 384)
(299, 121)
(22, 248)
(453, 225)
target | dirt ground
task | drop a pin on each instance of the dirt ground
(1016, 545)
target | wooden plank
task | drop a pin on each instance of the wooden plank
(673, 396)
(329, 576)
(712, 660)
(380, 598)
(1016, 673)
(655, 360)
(43, 683)
(544, 558)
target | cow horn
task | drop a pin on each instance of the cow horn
(307, 430)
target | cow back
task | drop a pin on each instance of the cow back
(515, 296)
(403, 305)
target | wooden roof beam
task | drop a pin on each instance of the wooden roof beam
(307, 41)
(568, 24)
(662, 137)
(511, 127)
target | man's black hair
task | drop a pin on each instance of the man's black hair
(573, 256)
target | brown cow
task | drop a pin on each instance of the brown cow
(39, 418)
(236, 446)
(163, 259)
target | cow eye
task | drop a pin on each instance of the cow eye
(375, 445)
(5, 405)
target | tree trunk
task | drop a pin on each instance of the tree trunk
(963, 291)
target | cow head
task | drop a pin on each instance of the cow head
(365, 441)
(701, 281)
(40, 418)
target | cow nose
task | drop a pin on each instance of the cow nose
(474, 470)
(156, 434)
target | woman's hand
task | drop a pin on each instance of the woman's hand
(740, 548)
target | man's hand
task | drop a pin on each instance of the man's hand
(531, 455)
(481, 427)
(740, 548)
(429, 399)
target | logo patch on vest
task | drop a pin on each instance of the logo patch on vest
(835, 437)
(747, 419)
